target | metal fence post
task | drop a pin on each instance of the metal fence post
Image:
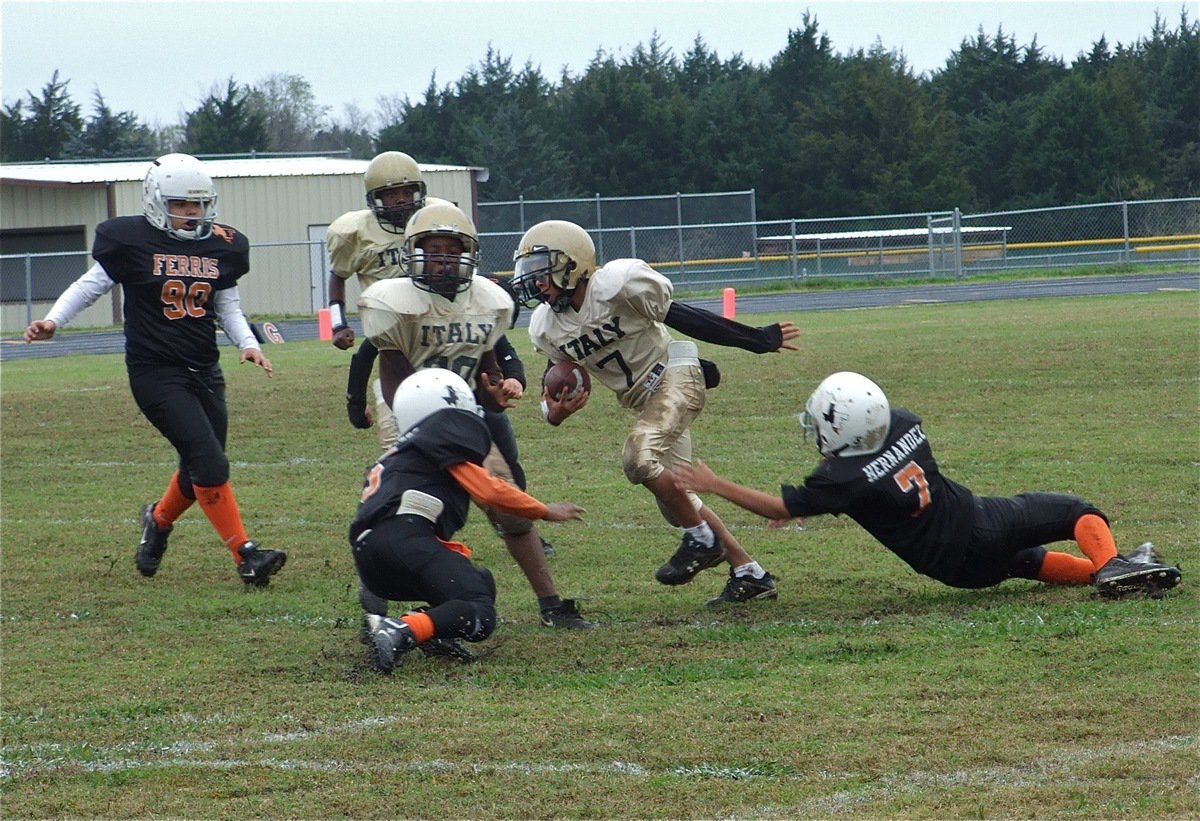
(795, 259)
(679, 229)
(28, 289)
(958, 259)
(521, 210)
(633, 242)
(1125, 227)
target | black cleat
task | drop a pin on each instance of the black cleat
(547, 549)
(391, 639)
(567, 616)
(745, 588)
(153, 545)
(1144, 554)
(690, 559)
(258, 566)
(1121, 577)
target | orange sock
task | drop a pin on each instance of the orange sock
(1063, 568)
(1095, 539)
(420, 624)
(220, 506)
(173, 503)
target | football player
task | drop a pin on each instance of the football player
(614, 321)
(368, 243)
(877, 467)
(440, 314)
(414, 500)
(178, 269)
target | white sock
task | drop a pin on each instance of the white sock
(753, 569)
(702, 533)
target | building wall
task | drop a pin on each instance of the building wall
(278, 214)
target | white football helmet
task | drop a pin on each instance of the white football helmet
(445, 274)
(560, 250)
(179, 177)
(848, 415)
(428, 391)
(394, 169)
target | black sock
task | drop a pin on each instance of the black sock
(549, 603)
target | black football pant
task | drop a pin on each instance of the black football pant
(402, 560)
(188, 407)
(1010, 534)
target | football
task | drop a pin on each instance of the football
(566, 375)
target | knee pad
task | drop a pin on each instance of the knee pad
(505, 524)
(209, 469)
(471, 620)
(637, 459)
(1027, 563)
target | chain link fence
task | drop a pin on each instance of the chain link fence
(289, 278)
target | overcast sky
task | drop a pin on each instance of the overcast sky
(160, 59)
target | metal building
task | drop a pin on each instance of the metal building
(282, 204)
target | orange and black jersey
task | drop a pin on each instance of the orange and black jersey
(167, 285)
(420, 460)
(898, 495)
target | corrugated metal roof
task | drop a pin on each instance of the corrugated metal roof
(103, 172)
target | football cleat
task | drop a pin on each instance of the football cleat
(154, 543)
(258, 566)
(566, 615)
(391, 639)
(1121, 577)
(745, 588)
(1144, 554)
(690, 559)
(547, 549)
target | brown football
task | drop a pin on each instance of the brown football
(566, 375)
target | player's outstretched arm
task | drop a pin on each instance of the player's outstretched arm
(700, 478)
(256, 356)
(563, 512)
(40, 329)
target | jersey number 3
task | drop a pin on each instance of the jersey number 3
(180, 300)
(912, 477)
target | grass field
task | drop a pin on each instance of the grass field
(864, 691)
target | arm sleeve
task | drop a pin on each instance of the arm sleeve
(80, 294)
(510, 364)
(487, 489)
(708, 327)
(227, 305)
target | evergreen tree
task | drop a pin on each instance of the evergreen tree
(229, 124)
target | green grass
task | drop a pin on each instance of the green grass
(864, 691)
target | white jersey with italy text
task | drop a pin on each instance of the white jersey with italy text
(617, 334)
(432, 331)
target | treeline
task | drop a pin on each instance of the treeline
(816, 133)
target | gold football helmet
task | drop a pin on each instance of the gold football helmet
(557, 249)
(441, 273)
(394, 170)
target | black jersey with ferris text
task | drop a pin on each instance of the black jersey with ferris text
(897, 494)
(168, 285)
(418, 461)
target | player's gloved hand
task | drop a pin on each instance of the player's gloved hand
(356, 409)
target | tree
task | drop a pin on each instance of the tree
(109, 134)
(45, 129)
(231, 124)
(290, 112)
(992, 85)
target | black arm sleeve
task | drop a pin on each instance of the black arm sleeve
(360, 372)
(510, 364)
(708, 327)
